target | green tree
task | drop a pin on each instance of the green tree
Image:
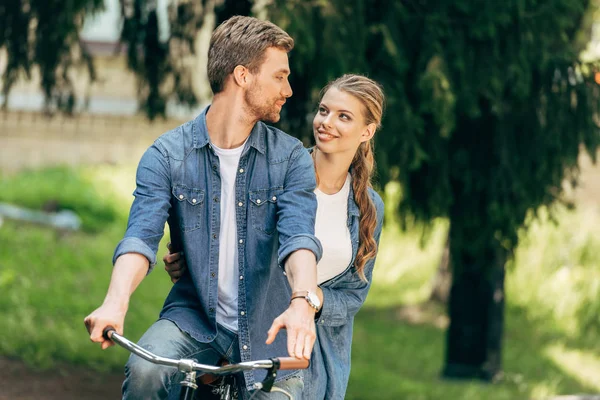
(45, 34)
(488, 105)
(168, 69)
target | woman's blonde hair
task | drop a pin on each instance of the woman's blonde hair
(370, 94)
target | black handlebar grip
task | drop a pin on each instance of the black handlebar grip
(106, 333)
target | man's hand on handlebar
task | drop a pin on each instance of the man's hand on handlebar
(106, 315)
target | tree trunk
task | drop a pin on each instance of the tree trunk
(442, 281)
(476, 309)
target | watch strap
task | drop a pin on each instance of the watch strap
(304, 294)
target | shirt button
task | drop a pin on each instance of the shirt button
(258, 201)
(245, 347)
(212, 274)
(242, 313)
(211, 309)
(241, 241)
(240, 204)
(181, 197)
(274, 198)
(214, 235)
(194, 201)
(241, 170)
(216, 199)
(241, 277)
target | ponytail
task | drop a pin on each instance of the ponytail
(361, 169)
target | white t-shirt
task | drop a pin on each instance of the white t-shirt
(227, 305)
(331, 228)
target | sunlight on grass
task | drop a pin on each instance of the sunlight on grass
(555, 272)
(583, 366)
(543, 391)
(119, 180)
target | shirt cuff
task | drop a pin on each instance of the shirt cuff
(135, 245)
(308, 242)
(332, 310)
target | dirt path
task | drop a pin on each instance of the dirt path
(19, 382)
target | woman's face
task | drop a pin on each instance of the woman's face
(339, 125)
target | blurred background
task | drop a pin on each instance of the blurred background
(487, 283)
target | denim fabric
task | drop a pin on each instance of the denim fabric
(327, 376)
(178, 181)
(147, 381)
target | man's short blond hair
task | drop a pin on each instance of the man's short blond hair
(242, 41)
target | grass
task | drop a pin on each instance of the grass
(50, 280)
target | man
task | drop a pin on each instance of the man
(238, 197)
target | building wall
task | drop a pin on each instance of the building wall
(32, 139)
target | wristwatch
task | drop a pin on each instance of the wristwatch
(311, 298)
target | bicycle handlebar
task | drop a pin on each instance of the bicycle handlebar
(285, 363)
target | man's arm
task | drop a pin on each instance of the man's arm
(299, 318)
(135, 255)
(299, 251)
(128, 272)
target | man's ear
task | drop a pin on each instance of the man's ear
(241, 76)
(369, 132)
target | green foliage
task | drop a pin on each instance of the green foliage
(45, 33)
(62, 188)
(487, 102)
(146, 53)
(51, 280)
(162, 65)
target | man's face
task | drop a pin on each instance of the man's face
(270, 87)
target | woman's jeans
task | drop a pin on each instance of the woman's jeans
(145, 380)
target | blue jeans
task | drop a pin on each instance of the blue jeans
(144, 380)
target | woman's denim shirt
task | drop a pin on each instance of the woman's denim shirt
(178, 181)
(327, 376)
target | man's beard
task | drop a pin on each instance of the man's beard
(260, 108)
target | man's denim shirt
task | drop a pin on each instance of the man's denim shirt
(178, 181)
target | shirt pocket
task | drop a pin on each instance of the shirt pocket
(188, 207)
(263, 209)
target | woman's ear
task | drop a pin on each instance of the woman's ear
(369, 132)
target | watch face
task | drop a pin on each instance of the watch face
(314, 299)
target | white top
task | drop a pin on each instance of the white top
(227, 304)
(331, 228)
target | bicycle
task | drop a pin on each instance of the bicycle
(226, 388)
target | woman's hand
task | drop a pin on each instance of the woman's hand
(174, 264)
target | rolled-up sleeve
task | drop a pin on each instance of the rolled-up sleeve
(150, 208)
(298, 207)
(342, 302)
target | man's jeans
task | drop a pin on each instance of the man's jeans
(144, 380)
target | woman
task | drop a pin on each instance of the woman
(348, 224)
